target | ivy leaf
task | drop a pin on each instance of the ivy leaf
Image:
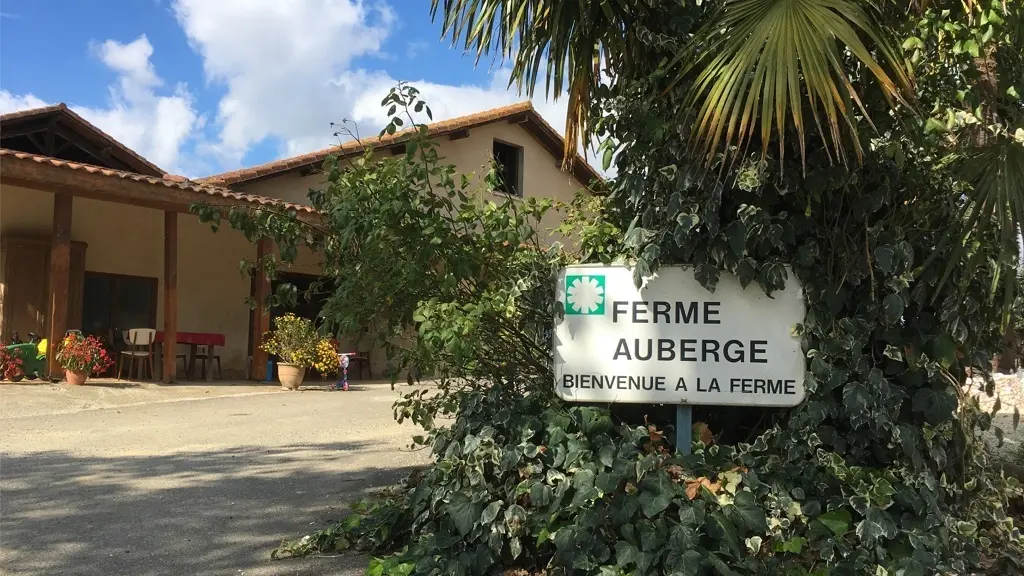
(838, 521)
(583, 482)
(720, 528)
(515, 547)
(675, 204)
(541, 494)
(638, 236)
(794, 545)
(936, 405)
(746, 271)
(876, 524)
(463, 512)
(707, 276)
(626, 554)
(884, 258)
(892, 307)
(606, 454)
(893, 353)
(689, 563)
(750, 513)
(856, 400)
(687, 222)
(491, 512)
(656, 498)
(737, 235)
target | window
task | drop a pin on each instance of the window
(508, 160)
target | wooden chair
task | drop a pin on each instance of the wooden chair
(158, 351)
(204, 356)
(139, 350)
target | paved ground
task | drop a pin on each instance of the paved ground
(150, 480)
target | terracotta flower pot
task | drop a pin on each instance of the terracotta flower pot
(291, 375)
(75, 378)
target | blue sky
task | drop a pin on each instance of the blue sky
(203, 86)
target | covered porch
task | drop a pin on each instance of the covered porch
(71, 231)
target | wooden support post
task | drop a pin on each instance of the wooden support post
(170, 296)
(60, 271)
(261, 316)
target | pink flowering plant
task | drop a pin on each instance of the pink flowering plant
(87, 354)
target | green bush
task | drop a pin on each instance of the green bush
(879, 471)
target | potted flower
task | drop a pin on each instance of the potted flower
(11, 366)
(82, 356)
(297, 345)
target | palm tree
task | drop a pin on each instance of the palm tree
(753, 66)
(755, 71)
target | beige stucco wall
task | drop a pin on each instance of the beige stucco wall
(542, 176)
(125, 239)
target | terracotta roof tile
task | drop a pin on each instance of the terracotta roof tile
(552, 139)
(169, 181)
(8, 116)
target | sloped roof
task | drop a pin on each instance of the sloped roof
(522, 112)
(14, 166)
(39, 119)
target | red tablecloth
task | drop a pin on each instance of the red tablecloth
(200, 338)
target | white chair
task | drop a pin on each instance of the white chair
(140, 349)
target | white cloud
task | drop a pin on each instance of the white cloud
(154, 125)
(288, 69)
(278, 61)
(15, 102)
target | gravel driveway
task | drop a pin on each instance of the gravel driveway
(147, 480)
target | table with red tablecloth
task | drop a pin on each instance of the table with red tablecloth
(194, 340)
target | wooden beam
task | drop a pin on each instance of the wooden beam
(34, 126)
(519, 118)
(51, 135)
(170, 295)
(459, 134)
(60, 271)
(34, 139)
(397, 150)
(46, 177)
(101, 154)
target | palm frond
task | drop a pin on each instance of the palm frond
(995, 171)
(758, 64)
(565, 42)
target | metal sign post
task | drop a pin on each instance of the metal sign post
(684, 428)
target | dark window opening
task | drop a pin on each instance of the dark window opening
(508, 160)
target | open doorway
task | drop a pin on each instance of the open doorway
(302, 308)
(112, 303)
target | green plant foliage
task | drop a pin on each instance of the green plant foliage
(879, 471)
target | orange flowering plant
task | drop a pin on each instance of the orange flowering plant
(79, 353)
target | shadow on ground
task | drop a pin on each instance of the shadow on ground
(216, 512)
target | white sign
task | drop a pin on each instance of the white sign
(673, 342)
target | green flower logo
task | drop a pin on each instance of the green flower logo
(584, 294)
